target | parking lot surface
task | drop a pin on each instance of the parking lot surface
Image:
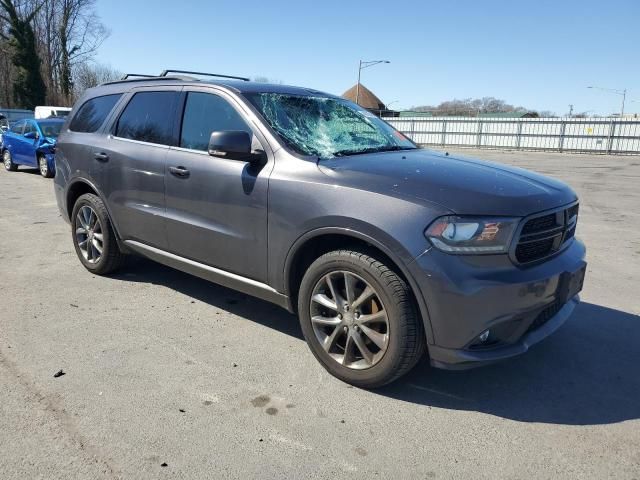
(168, 376)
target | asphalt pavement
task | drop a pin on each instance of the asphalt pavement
(167, 376)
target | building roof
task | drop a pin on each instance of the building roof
(366, 98)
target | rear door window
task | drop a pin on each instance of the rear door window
(148, 117)
(93, 113)
(18, 127)
(205, 113)
(29, 127)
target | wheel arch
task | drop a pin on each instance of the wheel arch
(81, 186)
(318, 242)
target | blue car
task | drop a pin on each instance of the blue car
(32, 143)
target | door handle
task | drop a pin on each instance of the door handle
(179, 172)
(101, 157)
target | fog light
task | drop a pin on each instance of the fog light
(484, 336)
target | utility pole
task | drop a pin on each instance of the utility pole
(623, 93)
(365, 64)
(570, 110)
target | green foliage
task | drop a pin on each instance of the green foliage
(28, 88)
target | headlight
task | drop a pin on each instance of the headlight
(472, 235)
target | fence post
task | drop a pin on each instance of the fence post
(479, 139)
(444, 132)
(612, 130)
(563, 127)
(519, 135)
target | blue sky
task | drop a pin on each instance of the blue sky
(540, 54)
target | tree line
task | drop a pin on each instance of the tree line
(47, 48)
(473, 107)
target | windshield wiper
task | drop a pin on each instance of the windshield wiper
(388, 148)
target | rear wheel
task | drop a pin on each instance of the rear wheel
(93, 236)
(359, 319)
(45, 171)
(9, 166)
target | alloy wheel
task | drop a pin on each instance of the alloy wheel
(89, 234)
(7, 160)
(349, 320)
(44, 168)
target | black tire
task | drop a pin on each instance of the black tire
(9, 166)
(405, 332)
(111, 258)
(43, 167)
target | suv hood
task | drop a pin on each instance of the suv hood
(463, 185)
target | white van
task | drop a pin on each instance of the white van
(46, 112)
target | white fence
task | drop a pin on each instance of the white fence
(604, 135)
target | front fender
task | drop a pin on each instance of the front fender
(392, 249)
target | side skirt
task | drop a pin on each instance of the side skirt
(221, 277)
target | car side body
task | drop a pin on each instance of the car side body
(29, 140)
(258, 226)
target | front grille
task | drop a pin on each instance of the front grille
(539, 224)
(529, 252)
(573, 211)
(544, 316)
(544, 235)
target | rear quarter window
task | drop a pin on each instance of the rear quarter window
(93, 113)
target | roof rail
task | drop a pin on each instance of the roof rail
(166, 72)
(137, 75)
(143, 79)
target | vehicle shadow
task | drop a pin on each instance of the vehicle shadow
(259, 311)
(584, 374)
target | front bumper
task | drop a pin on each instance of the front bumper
(51, 162)
(467, 295)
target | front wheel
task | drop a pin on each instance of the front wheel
(9, 166)
(43, 166)
(359, 319)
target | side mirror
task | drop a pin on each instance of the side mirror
(234, 144)
(31, 135)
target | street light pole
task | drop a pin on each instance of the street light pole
(358, 84)
(623, 93)
(365, 64)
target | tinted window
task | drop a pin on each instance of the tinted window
(93, 113)
(18, 127)
(50, 129)
(205, 113)
(148, 117)
(29, 127)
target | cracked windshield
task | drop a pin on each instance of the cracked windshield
(327, 127)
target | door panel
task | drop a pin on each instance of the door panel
(133, 182)
(133, 160)
(18, 145)
(29, 145)
(217, 214)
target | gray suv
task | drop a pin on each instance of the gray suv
(383, 249)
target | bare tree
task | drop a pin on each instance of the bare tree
(28, 86)
(67, 33)
(470, 107)
(80, 33)
(88, 75)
